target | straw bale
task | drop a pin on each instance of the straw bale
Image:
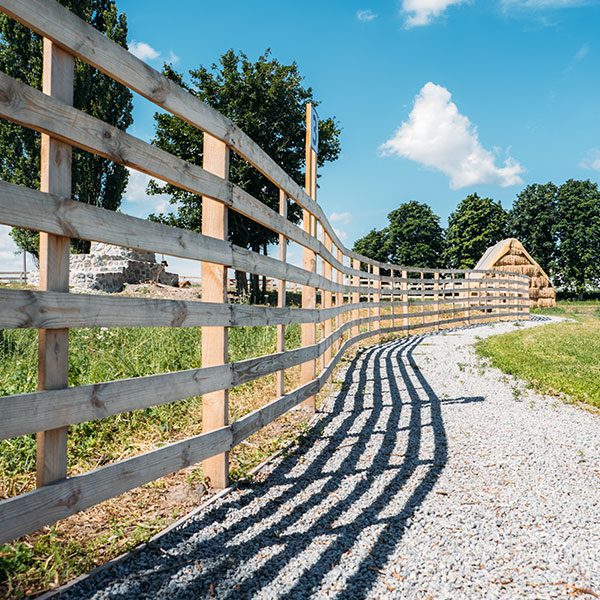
(512, 259)
(545, 303)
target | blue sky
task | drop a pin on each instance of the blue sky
(436, 98)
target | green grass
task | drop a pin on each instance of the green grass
(56, 555)
(559, 359)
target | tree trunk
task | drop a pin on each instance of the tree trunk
(254, 290)
(241, 284)
(264, 277)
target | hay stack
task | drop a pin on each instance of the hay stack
(510, 255)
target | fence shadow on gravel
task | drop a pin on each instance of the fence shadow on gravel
(359, 504)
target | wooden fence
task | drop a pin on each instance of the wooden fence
(13, 276)
(359, 298)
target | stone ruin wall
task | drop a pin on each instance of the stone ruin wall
(108, 268)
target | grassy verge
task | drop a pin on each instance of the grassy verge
(559, 359)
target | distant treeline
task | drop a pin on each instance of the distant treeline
(558, 225)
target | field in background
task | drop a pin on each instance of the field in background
(558, 359)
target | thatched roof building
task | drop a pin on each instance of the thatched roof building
(510, 255)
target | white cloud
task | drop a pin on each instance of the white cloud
(147, 53)
(592, 160)
(143, 51)
(438, 136)
(366, 16)
(344, 217)
(136, 194)
(422, 12)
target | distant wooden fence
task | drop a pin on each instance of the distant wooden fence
(13, 276)
(360, 298)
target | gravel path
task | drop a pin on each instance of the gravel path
(427, 475)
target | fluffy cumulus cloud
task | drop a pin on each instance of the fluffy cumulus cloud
(366, 16)
(147, 53)
(437, 136)
(592, 160)
(422, 12)
(143, 51)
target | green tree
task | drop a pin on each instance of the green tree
(95, 180)
(415, 237)
(476, 224)
(266, 99)
(532, 220)
(578, 230)
(374, 245)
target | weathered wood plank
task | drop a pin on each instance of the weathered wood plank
(28, 512)
(58, 310)
(31, 209)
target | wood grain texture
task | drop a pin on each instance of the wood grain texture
(215, 351)
(309, 293)
(327, 295)
(53, 345)
(28, 512)
(281, 293)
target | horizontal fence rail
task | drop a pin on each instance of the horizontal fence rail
(347, 298)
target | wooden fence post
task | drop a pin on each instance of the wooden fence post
(215, 405)
(327, 296)
(53, 345)
(281, 295)
(354, 330)
(453, 288)
(377, 299)
(497, 297)
(392, 298)
(309, 300)
(404, 287)
(436, 296)
(339, 299)
(422, 298)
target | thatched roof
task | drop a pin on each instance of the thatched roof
(508, 246)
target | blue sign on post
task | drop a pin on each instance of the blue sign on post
(314, 130)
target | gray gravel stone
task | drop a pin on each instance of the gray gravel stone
(428, 475)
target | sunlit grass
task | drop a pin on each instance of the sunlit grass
(560, 358)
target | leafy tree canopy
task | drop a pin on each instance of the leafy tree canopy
(266, 99)
(532, 220)
(96, 180)
(578, 231)
(476, 224)
(374, 245)
(415, 237)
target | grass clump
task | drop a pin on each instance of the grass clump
(560, 358)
